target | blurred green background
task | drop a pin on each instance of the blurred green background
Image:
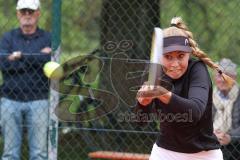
(90, 24)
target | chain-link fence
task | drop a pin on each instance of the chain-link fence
(109, 32)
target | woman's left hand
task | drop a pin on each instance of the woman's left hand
(152, 91)
(141, 99)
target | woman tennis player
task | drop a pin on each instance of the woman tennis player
(181, 138)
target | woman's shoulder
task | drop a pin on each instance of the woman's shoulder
(197, 70)
(196, 65)
(193, 61)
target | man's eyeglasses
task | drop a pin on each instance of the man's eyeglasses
(26, 10)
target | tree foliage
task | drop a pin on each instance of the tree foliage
(214, 23)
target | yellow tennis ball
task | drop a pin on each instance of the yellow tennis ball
(53, 70)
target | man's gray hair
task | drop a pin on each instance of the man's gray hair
(227, 66)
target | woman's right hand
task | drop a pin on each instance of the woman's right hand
(144, 100)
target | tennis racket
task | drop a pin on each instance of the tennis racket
(156, 56)
(155, 66)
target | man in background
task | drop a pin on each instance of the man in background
(25, 89)
(226, 101)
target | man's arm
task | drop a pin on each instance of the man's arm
(8, 60)
(37, 59)
(44, 54)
